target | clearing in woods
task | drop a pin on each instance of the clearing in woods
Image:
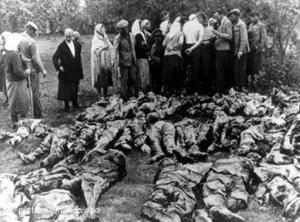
(123, 201)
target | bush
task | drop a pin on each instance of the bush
(278, 71)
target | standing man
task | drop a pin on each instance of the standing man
(193, 31)
(208, 57)
(258, 40)
(223, 50)
(241, 48)
(67, 61)
(165, 25)
(124, 60)
(31, 56)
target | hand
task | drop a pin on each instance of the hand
(27, 71)
(61, 69)
(44, 73)
(215, 32)
(239, 55)
(188, 51)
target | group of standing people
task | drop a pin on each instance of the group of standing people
(197, 55)
(21, 67)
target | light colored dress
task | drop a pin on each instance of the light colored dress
(101, 69)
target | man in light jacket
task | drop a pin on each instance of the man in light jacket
(31, 56)
(241, 48)
(223, 50)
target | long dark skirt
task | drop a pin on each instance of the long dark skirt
(67, 91)
(104, 79)
(173, 76)
(156, 75)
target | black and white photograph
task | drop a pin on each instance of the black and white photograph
(149, 110)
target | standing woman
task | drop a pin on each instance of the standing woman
(16, 78)
(67, 61)
(173, 62)
(101, 61)
(142, 50)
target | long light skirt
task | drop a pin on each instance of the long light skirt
(144, 81)
(18, 95)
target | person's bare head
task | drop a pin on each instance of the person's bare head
(201, 17)
(76, 35)
(31, 29)
(165, 15)
(219, 14)
(254, 17)
(68, 34)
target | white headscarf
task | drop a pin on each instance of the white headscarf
(12, 41)
(144, 23)
(175, 28)
(99, 41)
(192, 16)
(136, 27)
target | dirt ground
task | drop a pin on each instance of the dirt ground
(123, 202)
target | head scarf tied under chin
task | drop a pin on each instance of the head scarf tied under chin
(98, 28)
(136, 27)
(192, 17)
(100, 41)
(12, 41)
(144, 23)
(175, 28)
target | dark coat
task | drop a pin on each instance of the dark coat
(72, 65)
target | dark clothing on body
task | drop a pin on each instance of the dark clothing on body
(223, 67)
(72, 74)
(141, 47)
(156, 67)
(173, 72)
(240, 71)
(194, 60)
(127, 69)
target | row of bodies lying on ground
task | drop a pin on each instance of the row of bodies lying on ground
(259, 134)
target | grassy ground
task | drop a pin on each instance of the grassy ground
(123, 202)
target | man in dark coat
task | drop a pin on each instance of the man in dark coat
(67, 61)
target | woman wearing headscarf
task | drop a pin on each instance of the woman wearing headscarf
(101, 61)
(142, 54)
(16, 77)
(173, 62)
(136, 27)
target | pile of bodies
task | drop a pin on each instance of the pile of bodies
(26, 127)
(247, 144)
